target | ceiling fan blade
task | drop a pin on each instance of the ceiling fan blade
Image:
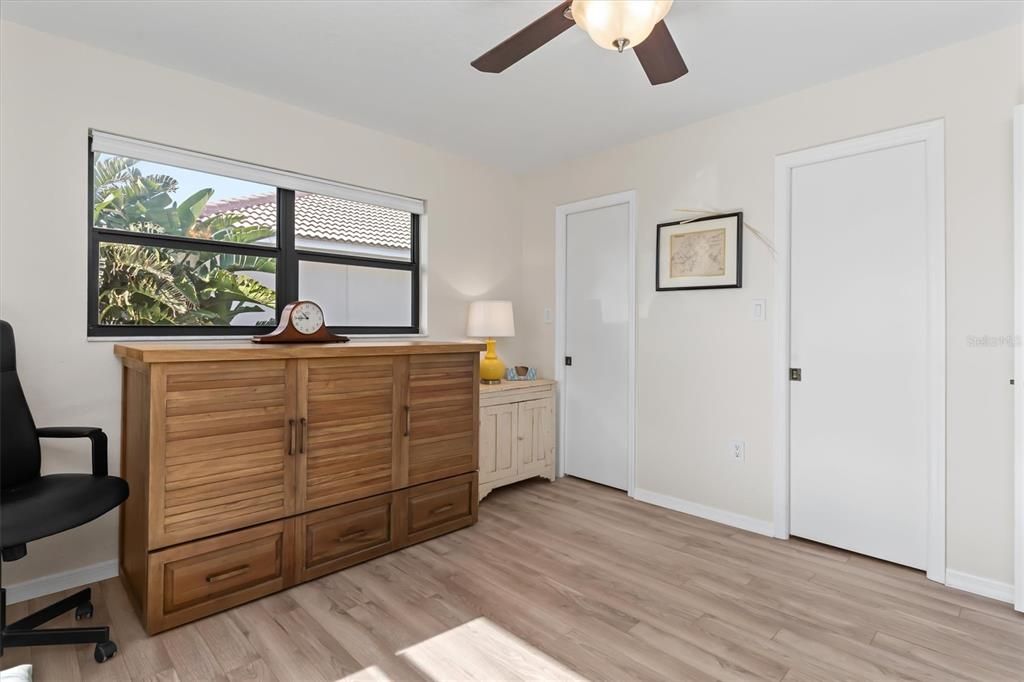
(660, 57)
(526, 41)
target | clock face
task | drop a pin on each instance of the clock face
(307, 317)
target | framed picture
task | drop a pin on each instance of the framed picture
(704, 253)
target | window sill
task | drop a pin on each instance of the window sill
(176, 339)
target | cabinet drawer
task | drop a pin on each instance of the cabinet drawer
(334, 538)
(440, 507)
(193, 580)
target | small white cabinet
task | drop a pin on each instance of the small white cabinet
(517, 432)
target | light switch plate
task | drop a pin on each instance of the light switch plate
(547, 316)
(737, 451)
(759, 309)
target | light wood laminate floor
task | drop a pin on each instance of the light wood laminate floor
(571, 580)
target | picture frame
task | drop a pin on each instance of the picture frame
(702, 253)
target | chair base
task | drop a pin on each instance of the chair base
(26, 632)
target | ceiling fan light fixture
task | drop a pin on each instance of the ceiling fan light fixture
(618, 24)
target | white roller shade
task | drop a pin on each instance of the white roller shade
(148, 151)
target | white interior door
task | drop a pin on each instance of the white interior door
(859, 429)
(595, 387)
(1018, 238)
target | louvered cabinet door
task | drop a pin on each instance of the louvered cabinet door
(349, 436)
(443, 415)
(220, 440)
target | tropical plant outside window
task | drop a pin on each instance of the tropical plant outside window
(154, 285)
(177, 251)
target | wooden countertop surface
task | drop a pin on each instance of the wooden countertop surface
(513, 385)
(211, 351)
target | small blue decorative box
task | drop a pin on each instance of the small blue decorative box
(520, 373)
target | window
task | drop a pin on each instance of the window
(188, 244)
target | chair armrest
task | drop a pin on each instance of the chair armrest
(93, 433)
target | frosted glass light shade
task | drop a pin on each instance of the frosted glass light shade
(488, 319)
(608, 21)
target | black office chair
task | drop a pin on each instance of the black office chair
(33, 506)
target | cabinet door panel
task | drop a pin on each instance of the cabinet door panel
(443, 415)
(497, 438)
(346, 447)
(224, 439)
(535, 439)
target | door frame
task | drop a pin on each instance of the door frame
(932, 134)
(1018, 353)
(561, 220)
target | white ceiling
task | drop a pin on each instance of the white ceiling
(403, 66)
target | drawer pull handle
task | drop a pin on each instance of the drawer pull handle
(291, 436)
(304, 442)
(407, 420)
(352, 536)
(231, 573)
(443, 508)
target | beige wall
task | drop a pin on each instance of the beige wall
(1020, 64)
(1020, 56)
(54, 90)
(704, 367)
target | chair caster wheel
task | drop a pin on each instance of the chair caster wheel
(83, 611)
(104, 651)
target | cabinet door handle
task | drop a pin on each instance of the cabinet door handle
(443, 508)
(352, 536)
(408, 426)
(291, 436)
(304, 438)
(230, 573)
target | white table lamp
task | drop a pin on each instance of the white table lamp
(490, 319)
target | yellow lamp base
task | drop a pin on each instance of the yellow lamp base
(492, 369)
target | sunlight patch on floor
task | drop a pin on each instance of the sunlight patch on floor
(481, 650)
(369, 674)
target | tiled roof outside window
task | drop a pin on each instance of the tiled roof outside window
(322, 217)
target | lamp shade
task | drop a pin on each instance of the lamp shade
(488, 319)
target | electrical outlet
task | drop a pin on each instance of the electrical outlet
(737, 451)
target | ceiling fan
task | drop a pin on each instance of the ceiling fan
(612, 24)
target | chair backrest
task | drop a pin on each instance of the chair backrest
(19, 444)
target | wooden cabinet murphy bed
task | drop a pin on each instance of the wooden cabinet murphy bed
(253, 468)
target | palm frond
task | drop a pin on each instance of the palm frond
(172, 286)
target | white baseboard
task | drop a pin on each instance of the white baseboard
(985, 587)
(710, 513)
(56, 582)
